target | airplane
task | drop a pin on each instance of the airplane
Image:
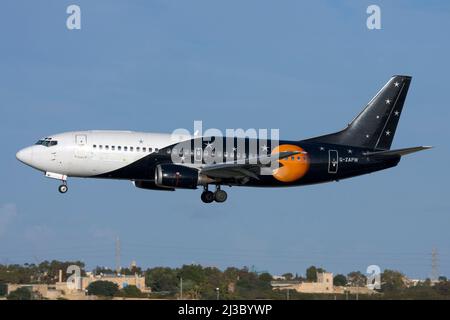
(146, 159)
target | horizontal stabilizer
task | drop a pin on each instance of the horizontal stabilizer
(398, 152)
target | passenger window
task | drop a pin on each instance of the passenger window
(125, 148)
(156, 149)
(106, 147)
(131, 148)
(150, 149)
(100, 147)
(138, 149)
(144, 149)
(119, 148)
(95, 146)
(113, 148)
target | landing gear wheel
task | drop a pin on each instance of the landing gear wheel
(220, 196)
(207, 196)
(63, 188)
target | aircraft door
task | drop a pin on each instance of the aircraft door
(81, 151)
(81, 139)
(333, 161)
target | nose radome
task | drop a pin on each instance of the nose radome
(25, 155)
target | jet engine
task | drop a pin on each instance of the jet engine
(177, 176)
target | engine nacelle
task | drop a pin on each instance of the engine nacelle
(150, 185)
(176, 176)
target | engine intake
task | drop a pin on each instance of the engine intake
(175, 176)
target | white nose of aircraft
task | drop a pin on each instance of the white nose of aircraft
(25, 155)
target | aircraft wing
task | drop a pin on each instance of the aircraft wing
(249, 169)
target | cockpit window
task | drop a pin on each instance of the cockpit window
(47, 143)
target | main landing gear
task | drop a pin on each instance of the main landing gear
(218, 196)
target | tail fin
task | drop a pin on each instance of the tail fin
(375, 126)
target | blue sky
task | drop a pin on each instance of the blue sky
(306, 68)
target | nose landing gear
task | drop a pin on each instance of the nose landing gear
(219, 196)
(61, 177)
(63, 188)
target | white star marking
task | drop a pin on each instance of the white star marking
(322, 148)
(388, 101)
(378, 117)
(396, 113)
(350, 151)
(388, 133)
(234, 149)
(264, 148)
(182, 159)
(396, 84)
(367, 135)
(208, 145)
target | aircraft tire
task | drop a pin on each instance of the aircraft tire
(220, 196)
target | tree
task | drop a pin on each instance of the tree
(103, 288)
(340, 280)
(22, 293)
(193, 272)
(131, 292)
(356, 278)
(443, 288)
(102, 270)
(162, 279)
(3, 289)
(288, 276)
(392, 280)
(265, 277)
(311, 273)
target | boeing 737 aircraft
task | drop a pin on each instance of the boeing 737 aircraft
(147, 159)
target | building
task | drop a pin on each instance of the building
(323, 285)
(122, 281)
(78, 288)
